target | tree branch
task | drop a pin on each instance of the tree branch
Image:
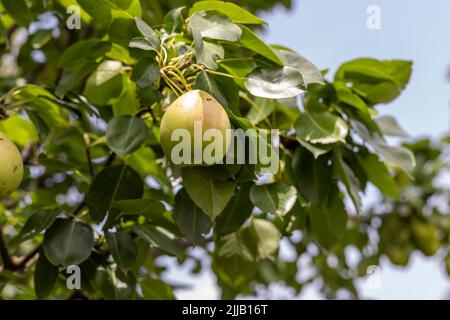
(8, 264)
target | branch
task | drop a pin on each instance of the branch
(7, 261)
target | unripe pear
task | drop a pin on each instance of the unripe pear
(197, 112)
(11, 167)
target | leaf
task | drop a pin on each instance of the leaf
(278, 83)
(125, 134)
(19, 11)
(252, 42)
(35, 224)
(377, 81)
(123, 249)
(397, 156)
(154, 289)
(268, 238)
(233, 11)
(390, 127)
(321, 127)
(208, 83)
(260, 110)
(145, 72)
(316, 149)
(68, 242)
(100, 10)
(210, 194)
(105, 85)
(193, 222)
(148, 208)
(348, 178)
(159, 239)
(276, 198)
(312, 176)
(148, 33)
(212, 26)
(112, 184)
(174, 20)
(310, 73)
(45, 276)
(238, 210)
(141, 43)
(378, 174)
(328, 219)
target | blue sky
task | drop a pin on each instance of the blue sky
(330, 32)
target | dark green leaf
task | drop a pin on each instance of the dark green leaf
(149, 208)
(68, 242)
(125, 134)
(193, 222)
(123, 249)
(276, 198)
(158, 238)
(321, 127)
(113, 184)
(45, 276)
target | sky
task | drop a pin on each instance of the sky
(329, 33)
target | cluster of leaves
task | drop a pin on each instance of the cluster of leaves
(99, 193)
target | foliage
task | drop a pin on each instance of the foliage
(99, 193)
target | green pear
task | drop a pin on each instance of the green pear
(206, 124)
(11, 167)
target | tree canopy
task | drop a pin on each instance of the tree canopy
(84, 105)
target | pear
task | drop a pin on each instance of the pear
(195, 130)
(11, 167)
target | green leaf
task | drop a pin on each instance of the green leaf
(45, 276)
(159, 238)
(234, 259)
(390, 127)
(321, 127)
(378, 174)
(252, 42)
(277, 83)
(113, 184)
(212, 26)
(19, 11)
(268, 238)
(68, 242)
(105, 85)
(154, 289)
(35, 224)
(193, 222)
(276, 198)
(328, 219)
(208, 192)
(149, 208)
(312, 176)
(310, 73)
(145, 72)
(148, 33)
(125, 134)
(377, 81)
(174, 20)
(123, 249)
(397, 156)
(100, 10)
(260, 109)
(233, 11)
(316, 149)
(348, 178)
(141, 43)
(238, 210)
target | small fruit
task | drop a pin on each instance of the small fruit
(11, 167)
(196, 113)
